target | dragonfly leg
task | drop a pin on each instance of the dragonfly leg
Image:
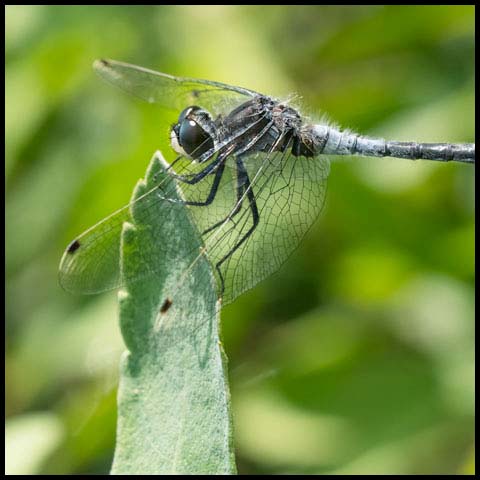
(255, 217)
(197, 177)
(241, 180)
(213, 190)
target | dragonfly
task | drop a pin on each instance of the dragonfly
(252, 171)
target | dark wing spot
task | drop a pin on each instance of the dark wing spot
(103, 62)
(166, 305)
(74, 246)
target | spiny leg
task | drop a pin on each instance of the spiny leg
(219, 164)
(213, 189)
(255, 217)
(202, 174)
(241, 179)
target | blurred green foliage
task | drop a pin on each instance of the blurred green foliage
(358, 355)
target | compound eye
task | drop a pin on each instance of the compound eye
(194, 140)
(187, 112)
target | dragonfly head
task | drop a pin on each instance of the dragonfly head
(193, 134)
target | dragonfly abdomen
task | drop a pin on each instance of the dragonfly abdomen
(328, 140)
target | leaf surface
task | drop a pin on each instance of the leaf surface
(173, 401)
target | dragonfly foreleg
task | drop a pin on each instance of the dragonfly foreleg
(213, 190)
(197, 177)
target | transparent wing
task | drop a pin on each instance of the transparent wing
(91, 262)
(278, 194)
(171, 92)
(288, 192)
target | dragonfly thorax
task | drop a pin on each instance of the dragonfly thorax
(260, 124)
(263, 124)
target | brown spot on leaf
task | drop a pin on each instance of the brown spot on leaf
(74, 246)
(166, 305)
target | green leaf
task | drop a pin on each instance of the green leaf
(173, 400)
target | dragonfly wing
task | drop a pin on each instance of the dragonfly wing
(169, 91)
(289, 193)
(91, 263)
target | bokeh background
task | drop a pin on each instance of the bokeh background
(358, 355)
